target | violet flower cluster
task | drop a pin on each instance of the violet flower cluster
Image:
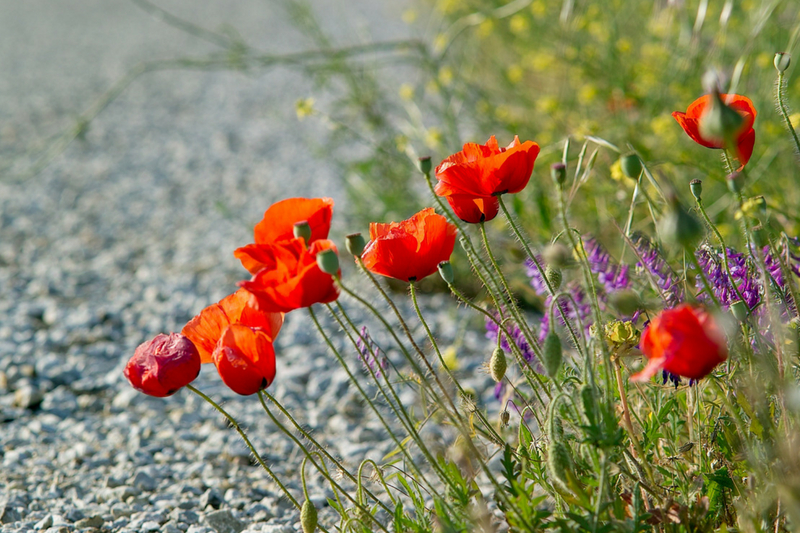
(371, 355)
(651, 261)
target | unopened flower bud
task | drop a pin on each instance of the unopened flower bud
(625, 301)
(302, 229)
(552, 354)
(328, 262)
(355, 244)
(162, 365)
(696, 186)
(446, 271)
(505, 416)
(559, 462)
(498, 364)
(556, 255)
(782, 61)
(554, 276)
(680, 227)
(631, 165)
(739, 310)
(558, 171)
(425, 165)
(735, 181)
(308, 517)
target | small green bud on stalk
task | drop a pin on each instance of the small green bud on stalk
(631, 165)
(425, 165)
(498, 364)
(782, 61)
(552, 354)
(446, 271)
(355, 244)
(553, 276)
(739, 310)
(308, 517)
(505, 416)
(625, 301)
(735, 181)
(680, 227)
(302, 229)
(559, 463)
(558, 171)
(696, 186)
(328, 262)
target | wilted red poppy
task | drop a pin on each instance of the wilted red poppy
(241, 307)
(245, 359)
(483, 170)
(684, 341)
(279, 220)
(162, 365)
(412, 249)
(745, 138)
(289, 277)
(474, 210)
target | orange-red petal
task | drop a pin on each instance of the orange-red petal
(278, 221)
(245, 359)
(474, 210)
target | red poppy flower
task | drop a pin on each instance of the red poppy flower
(474, 210)
(684, 341)
(745, 139)
(409, 250)
(162, 365)
(245, 359)
(205, 329)
(279, 220)
(289, 277)
(481, 171)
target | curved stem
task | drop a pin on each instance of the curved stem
(785, 111)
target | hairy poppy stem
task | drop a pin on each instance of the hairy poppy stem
(780, 88)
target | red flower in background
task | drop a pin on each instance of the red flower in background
(287, 276)
(245, 359)
(409, 250)
(279, 220)
(745, 139)
(162, 365)
(205, 329)
(684, 341)
(482, 171)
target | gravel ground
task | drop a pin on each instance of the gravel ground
(129, 233)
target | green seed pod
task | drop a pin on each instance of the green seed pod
(559, 463)
(558, 171)
(355, 244)
(425, 165)
(498, 364)
(681, 228)
(308, 517)
(554, 276)
(328, 262)
(739, 310)
(696, 186)
(446, 271)
(631, 165)
(552, 354)
(782, 61)
(302, 229)
(626, 301)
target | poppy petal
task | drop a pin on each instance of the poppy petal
(278, 221)
(245, 359)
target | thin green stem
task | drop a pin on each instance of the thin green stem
(779, 89)
(724, 249)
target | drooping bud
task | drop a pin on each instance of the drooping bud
(425, 164)
(328, 262)
(556, 255)
(696, 186)
(162, 365)
(498, 364)
(631, 165)
(680, 227)
(554, 276)
(552, 354)
(739, 310)
(782, 61)
(302, 229)
(735, 181)
(308, 517)
(355, 244)
(505, 416)
(625, 301)
(446, 271)
(558, 171)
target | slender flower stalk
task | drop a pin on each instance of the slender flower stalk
(780, 90)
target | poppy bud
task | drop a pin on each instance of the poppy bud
(782, 61)
(558, 171)
(505, 416)
(554, 276)
(552, 354)
(625, 301)
(559, 462)
(302, 229)
(162, 365)
(308, 517)
(355, 244)
(425, 164)
(739, 310)
(631, 165)
(498, 365)
(679, 227)
(328, 262)
(735, 181)
(696, 186)
(557, 255)
(446, 271)
(719, 121)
